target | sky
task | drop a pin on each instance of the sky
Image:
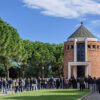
(51, 21)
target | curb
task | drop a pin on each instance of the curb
(82, 98)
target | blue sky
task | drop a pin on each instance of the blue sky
(50, 21)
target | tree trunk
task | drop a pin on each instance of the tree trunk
(7, 72)
(23, 71)
(41, 70)
(46, 71)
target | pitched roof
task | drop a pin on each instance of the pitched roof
(82, 32)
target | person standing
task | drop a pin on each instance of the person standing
(39, 83)
(35, 83)
(31, 84)
(86, 82)
(20, 85)
(28, 84)
(98, 83)
(61, 82)
(10, 82)
(5, 86)
(1, 85)
(23, 85)
(16, 86)
(81, 80)
(42, 83)
(13, 86)
(57, 83)
(46, 83)
(90, 83)
(94, 84)
(51, 82)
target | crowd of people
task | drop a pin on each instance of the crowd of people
(85, 83)
(30, 84)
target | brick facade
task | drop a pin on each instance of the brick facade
(94, 58)
(93, 52)
(68, 56)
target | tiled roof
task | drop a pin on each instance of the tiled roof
(82, 32)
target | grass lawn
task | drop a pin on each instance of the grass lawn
(60, 94)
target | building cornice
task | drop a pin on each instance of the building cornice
(82, 39)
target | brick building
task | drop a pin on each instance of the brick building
(82, 54)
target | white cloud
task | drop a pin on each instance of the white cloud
(65, 8)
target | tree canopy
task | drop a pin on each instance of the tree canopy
(32, 58)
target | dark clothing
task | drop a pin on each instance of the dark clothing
(39, 80)
(74, 82)
(20, 85)
(98, 84)
(57, 83)
(4, 83)
(81, 84)
(34, 81)
(1, 84)
(10, 82)
(31, 82)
